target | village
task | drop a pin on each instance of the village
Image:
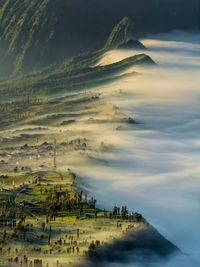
(47, 220)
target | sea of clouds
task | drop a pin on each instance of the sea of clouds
(154, 168)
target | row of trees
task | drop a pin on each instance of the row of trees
(122, 212)
(61, 201)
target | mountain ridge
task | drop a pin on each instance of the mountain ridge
(71, 77)
(120, 34)
(42, 32)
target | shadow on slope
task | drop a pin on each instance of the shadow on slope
(141, 248)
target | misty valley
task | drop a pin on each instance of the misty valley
(99, 146)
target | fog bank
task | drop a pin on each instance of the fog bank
(154, 168)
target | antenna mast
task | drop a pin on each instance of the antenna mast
(37, 157)
(54, 155)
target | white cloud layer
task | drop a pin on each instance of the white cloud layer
(154, 168)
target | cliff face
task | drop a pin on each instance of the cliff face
(37, 33)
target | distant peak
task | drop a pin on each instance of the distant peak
(121, 33)
(132, 44)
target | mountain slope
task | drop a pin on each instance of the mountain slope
(77, 72)
(37, 33)
(70, 77)
(26, 29)
(120, 34)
